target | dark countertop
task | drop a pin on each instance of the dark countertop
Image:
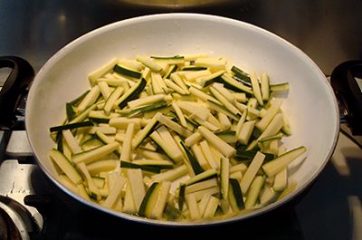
(329, 31)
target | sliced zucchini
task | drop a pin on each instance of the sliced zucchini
(240, 74)
(170, 70)
(193, 68)
(193, 207)
(64, 164)
(89, 99)
(212, 62)
(199, 156)
(202, 185)
(171, 85)
(251, 172)
(104, 88)
(256, 89)
(131, 93)
(273, 128)
(269, 115)
(148, 201)
(205, 81)
(168, 148)
(102, 166)
(71, 126)
(217, 142)
(170, 175)
(92, 188)
(224, 101)
(265, 91)
(206, 150)
(93, 76)
(210, 191)
(135, 180)
(232, 84)
(131, 165)
(235, 195)
(92, 143)
(280, 87)
(254, 191)
(273, 167)
(126, 71)
(271, 138)
(95, 154)
(202, 176)
(126, 154)
(220, 108)
(83, 115)
(71, 142)
(115, 191)
(196, 167)
(211, 207)
(146, 100)
(177, 79)
(129, 204)
(161, 201)
(71, 111)
(151, 64)
(267, 195)
(77, 100)
(172, 125)
(112, 99)
(224, 177)
(172, 146)
(281, 180)
(246, 131)
(181, 196)
(145, 132)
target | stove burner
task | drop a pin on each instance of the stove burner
(8, 230)
(17, 220)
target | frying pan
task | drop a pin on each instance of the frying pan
(311, 105)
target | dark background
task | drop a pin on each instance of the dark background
(329, 31)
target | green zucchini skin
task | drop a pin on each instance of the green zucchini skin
(71, 126)
(127, 72)
(146, 199)
(196, 167)
(236, 193)
(134, 94)
(181, 198)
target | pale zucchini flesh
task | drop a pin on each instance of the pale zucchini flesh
(181, 138)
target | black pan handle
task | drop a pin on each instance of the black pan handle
(349, 93)
(15, 86)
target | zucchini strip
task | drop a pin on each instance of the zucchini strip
(93, 76)
(71, 126)
(273, 167)
(96, 154)
(217, 142)
(127, 143)
(132, 93)
(64, 164)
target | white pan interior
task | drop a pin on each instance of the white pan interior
(311, 106)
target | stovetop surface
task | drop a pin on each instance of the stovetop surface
(329, 209)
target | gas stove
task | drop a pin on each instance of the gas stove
(32, 207)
